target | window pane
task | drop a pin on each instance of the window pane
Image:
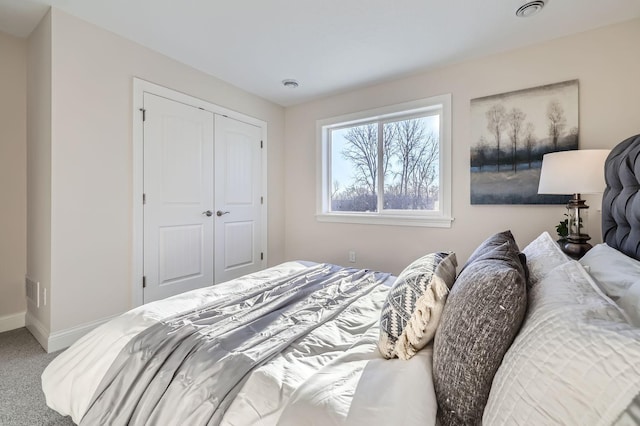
(411, 164)
(354, 169)
(387, 166)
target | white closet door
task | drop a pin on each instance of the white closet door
(238, 166)
(178, 188)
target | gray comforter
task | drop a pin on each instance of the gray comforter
(188, 368)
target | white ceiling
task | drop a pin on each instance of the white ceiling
(329, 46)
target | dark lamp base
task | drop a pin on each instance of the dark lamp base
(576, 249)
(576, 245)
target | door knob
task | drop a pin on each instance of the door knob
(220, 213)
(208, 213)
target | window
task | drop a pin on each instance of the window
(388, 166)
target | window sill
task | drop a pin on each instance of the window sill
(395, 220)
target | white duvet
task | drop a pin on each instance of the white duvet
(333, 376)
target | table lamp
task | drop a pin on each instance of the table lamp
(573, 173)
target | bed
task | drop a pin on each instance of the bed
(513, 336)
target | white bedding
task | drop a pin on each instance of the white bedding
(575, 361)
(335, 371)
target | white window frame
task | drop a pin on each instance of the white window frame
(433, 218)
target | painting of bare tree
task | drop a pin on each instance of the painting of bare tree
(510, 133)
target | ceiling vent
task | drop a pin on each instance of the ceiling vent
(530, 8)
(290, 83)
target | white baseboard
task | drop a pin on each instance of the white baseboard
(38, 330)
(53, 342)
(65, 338)
(11, 322)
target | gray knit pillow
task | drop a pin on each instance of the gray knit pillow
(411, 313)
(496, 240)
(483, 314)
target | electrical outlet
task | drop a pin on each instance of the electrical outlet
(352, 256)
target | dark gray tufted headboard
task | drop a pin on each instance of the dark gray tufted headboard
(621, 200)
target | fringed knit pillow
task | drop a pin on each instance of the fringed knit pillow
(411, 313)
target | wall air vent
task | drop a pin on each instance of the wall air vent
(33, 291)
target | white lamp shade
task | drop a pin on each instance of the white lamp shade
(573, 172)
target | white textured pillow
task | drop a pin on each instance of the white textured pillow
(612, 270)
(630, 304)
(576, 361)
(412, 311)
(618, 275)
(543, 254)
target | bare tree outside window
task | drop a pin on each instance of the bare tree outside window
(409, 165)
(416, 158)
(362, 152)
(389, 165)
(355, 168)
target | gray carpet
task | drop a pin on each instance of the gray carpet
(22, 361)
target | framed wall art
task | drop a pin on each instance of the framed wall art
(510, 133)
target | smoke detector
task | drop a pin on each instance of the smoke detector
(290, 83)
(530, 8)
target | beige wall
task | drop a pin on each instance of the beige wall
(80, 154)
(91, 163)
(13, 177)
(39, 169)
(606, 62)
